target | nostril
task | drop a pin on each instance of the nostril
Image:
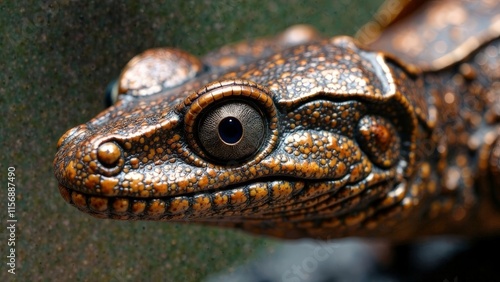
(109, 154)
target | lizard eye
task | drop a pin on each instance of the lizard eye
(379, 140)
(230, 122)
(232, 131)
(111, 93)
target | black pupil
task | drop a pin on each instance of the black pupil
(230, 130)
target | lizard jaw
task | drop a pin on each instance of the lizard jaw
(272, 200)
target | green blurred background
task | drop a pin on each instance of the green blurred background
(57, 58)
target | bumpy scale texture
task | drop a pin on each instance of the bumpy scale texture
(321, 138)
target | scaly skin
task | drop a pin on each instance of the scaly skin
(326, 139)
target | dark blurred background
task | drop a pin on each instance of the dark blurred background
(56, 59)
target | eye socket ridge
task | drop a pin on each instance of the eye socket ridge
(231, 131)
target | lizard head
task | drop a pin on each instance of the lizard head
(317, 140)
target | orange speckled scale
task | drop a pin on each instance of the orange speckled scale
(302, 136)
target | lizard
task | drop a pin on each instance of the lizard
(394, 134)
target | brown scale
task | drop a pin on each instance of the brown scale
(301, 136)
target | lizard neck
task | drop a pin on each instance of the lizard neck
(466, 96)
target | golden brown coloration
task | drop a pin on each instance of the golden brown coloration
(298, 136)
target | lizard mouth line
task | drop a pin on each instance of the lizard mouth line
(245, 198)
